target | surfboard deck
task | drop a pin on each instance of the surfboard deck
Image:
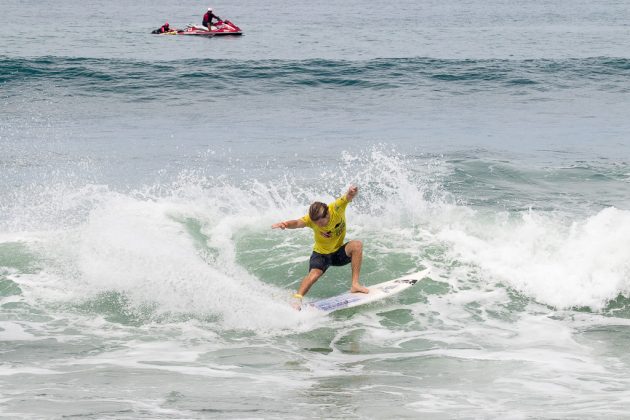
(377, 292)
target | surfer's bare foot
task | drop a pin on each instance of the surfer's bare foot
(359, 289)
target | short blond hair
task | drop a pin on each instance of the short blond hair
(317, 211)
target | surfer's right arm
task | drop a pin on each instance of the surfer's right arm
(289, 224)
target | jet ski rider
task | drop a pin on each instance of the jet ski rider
(207, 18)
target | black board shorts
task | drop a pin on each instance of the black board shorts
(323, 261)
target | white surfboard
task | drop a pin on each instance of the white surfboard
(377, 292)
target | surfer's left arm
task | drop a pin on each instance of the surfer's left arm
(352, 192)
(289, 224)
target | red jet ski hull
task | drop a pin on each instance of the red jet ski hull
(220, 29)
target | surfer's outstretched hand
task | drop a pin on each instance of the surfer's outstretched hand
(352, 192)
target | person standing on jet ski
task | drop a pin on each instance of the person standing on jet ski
(207, 18)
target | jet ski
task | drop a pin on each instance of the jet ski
(224, 27)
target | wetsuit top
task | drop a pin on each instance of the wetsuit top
(330, 238)
(165, 28)
(207, 18)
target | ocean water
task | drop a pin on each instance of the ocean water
(140, 175)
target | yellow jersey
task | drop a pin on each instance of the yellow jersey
(330, 238)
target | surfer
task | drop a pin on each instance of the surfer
(329, 230)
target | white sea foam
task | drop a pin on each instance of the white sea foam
(140, 245)
(175, 248)
(559, 262)
(12, 331)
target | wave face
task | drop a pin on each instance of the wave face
(122, 240)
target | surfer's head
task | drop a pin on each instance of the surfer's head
(318, 212)
(209, 9)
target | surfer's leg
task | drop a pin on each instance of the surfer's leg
(317, 266)
(313, 275)
(354, 250)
